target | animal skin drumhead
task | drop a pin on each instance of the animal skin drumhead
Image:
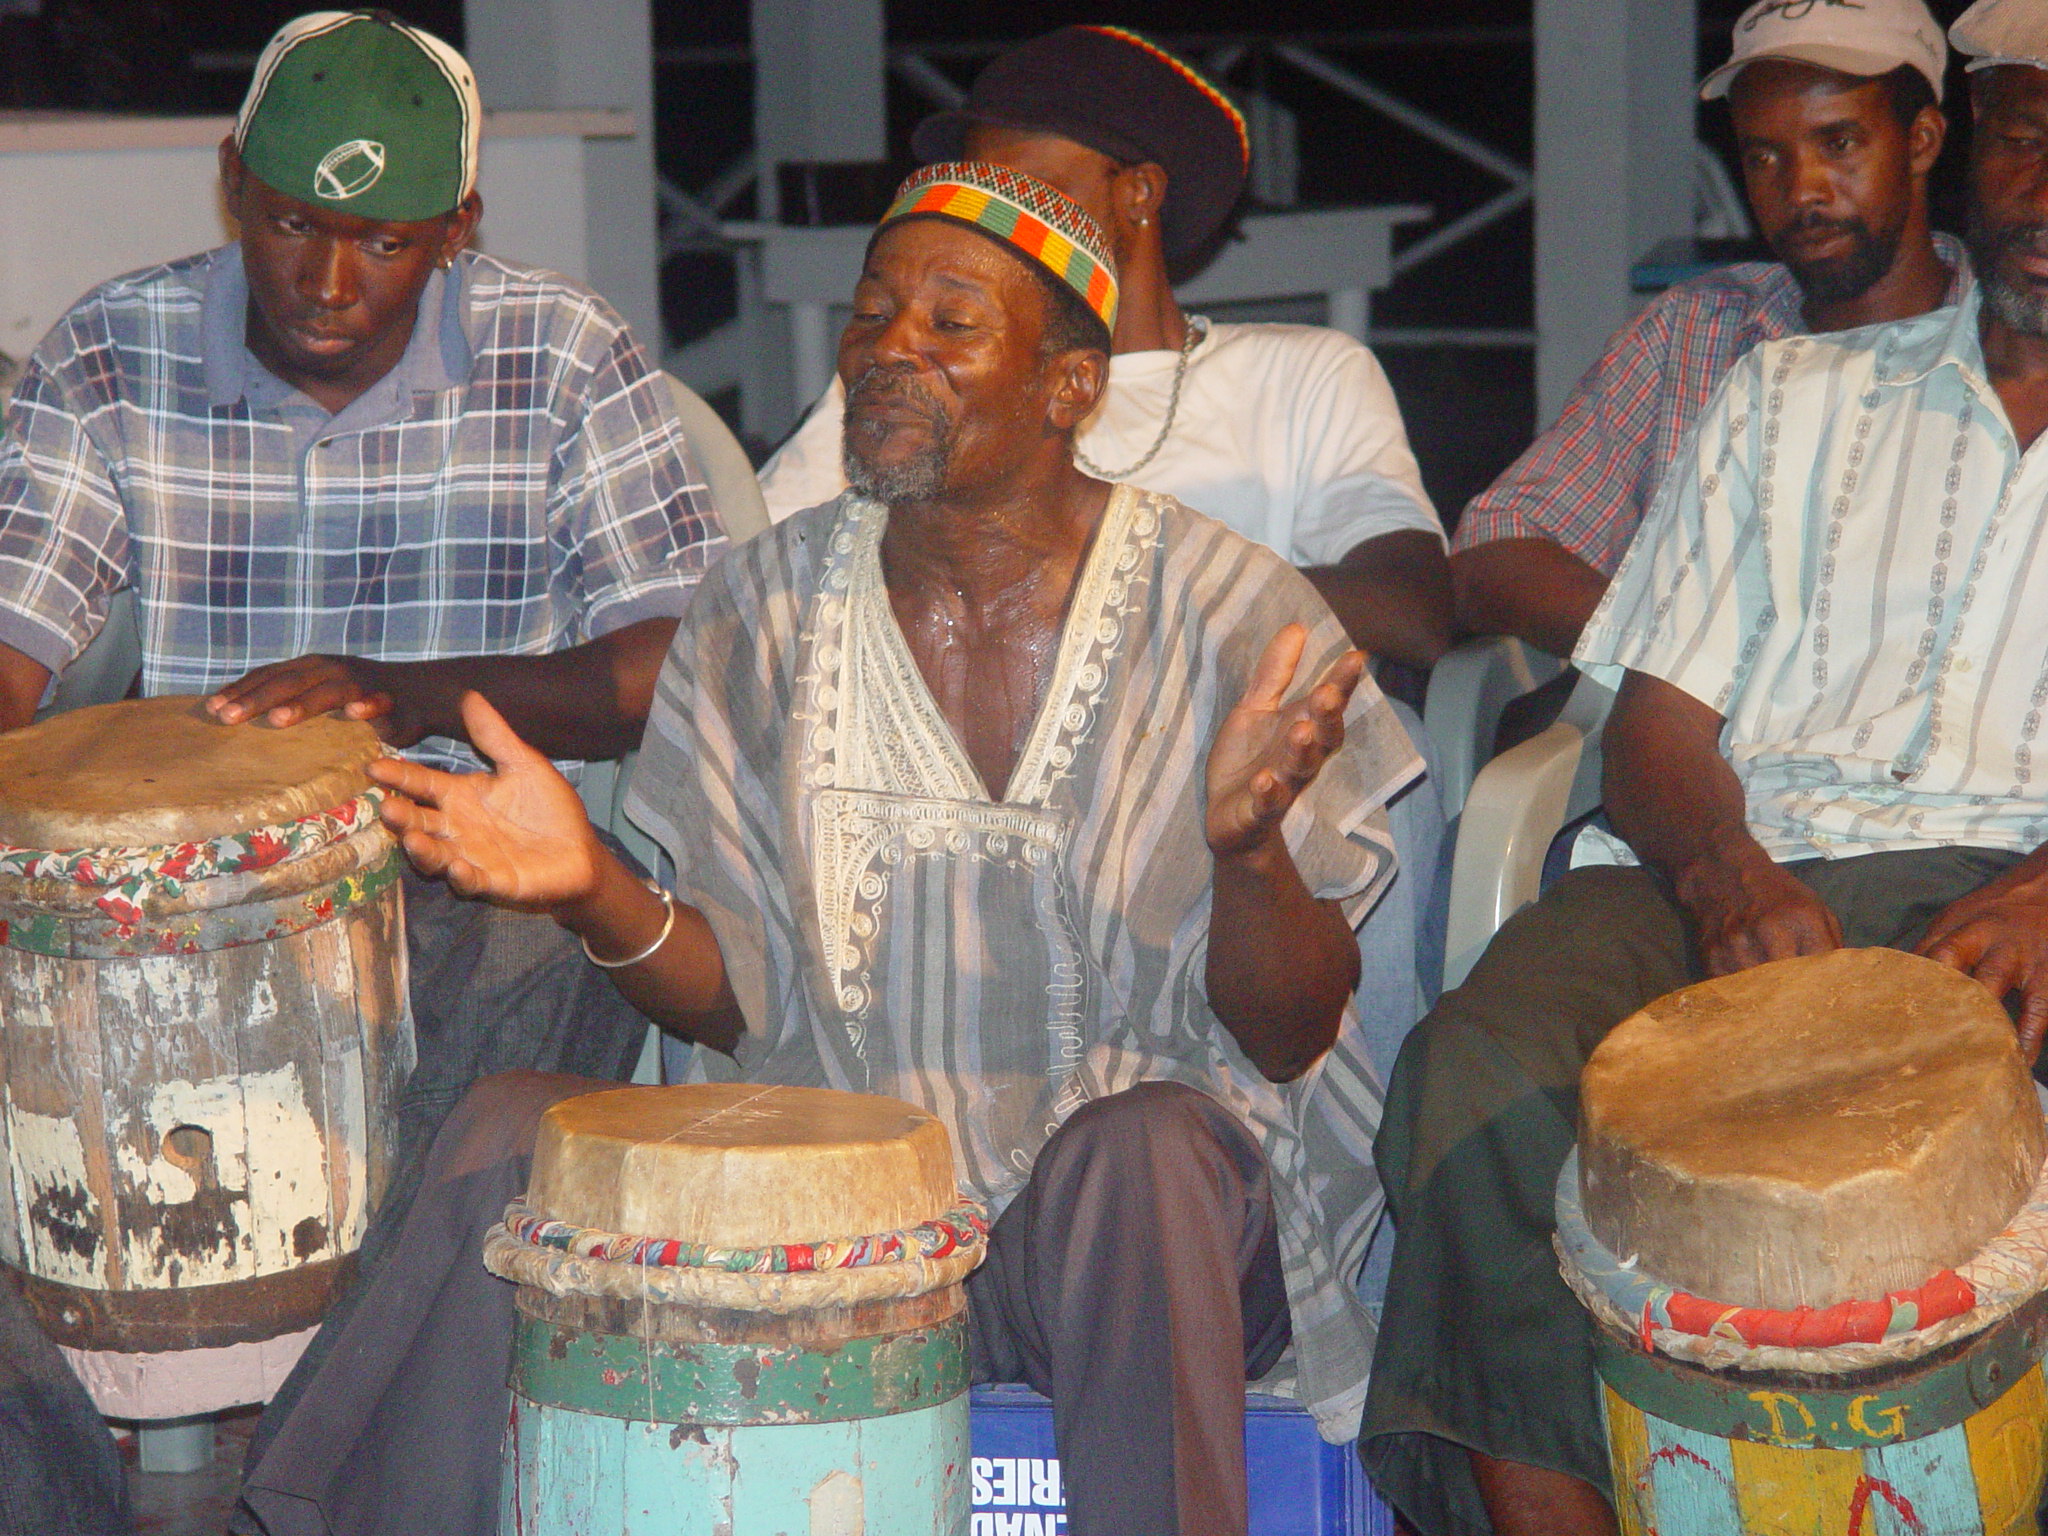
(149, 771)
(740, 1164)
(1818, 1130)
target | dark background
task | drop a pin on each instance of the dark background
(1468, 62)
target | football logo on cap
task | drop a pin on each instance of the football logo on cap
(348, 170)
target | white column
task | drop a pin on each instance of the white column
(818, 89)
(1350, 311)
(585, 53)
(1615, 105)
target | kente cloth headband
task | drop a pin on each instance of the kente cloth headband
(1040, 221)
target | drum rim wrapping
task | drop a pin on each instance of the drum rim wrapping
(563, 1274)
(360, 850)
(1719, 1354)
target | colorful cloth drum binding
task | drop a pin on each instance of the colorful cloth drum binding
(1821, 1390)
(740, 1308)
(204, 1031)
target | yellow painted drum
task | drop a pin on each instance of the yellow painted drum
(1809, 1213)
(204, 1031)
(1789, 1454)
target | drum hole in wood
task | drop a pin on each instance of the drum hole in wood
(190, 1148)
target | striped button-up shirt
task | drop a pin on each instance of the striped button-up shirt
(1586, 482)
(1848, 563)
(517, 484)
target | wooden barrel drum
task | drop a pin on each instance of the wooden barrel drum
(1807, 1210)
(740, 1309)
(203, 1034)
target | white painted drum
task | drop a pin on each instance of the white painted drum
(203, 1035)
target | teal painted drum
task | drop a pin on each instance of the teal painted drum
(741, 1313)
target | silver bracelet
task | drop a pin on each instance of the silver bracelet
(660, 938)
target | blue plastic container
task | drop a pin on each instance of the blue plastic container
(1300, 1484)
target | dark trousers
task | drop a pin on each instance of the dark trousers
(1135, 1281)
(1481, 1344)
(60, 1474)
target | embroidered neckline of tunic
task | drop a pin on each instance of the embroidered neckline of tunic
(875, 725)
(883, 771)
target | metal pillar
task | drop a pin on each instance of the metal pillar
(539, 54)
(1615, 104)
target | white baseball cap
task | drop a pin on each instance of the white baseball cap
(2003, 32)
(1855, 37)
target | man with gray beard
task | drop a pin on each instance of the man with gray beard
(1047, 804)
(1832, 658)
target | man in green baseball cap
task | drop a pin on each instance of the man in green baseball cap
(347, 463)
(362, 130)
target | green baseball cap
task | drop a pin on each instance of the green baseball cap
(353, 110)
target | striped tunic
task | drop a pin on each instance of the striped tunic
(1840, 563)
(889, 928)
(1587, 482)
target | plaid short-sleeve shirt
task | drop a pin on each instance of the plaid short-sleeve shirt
(516, 485)
(1587, 481)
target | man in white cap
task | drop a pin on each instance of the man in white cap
(1830, 649)
(1837, 122)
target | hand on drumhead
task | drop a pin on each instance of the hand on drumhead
(288, 692)
(517, 836)
(1999, 934)
(1268, 751)
(1749, 911)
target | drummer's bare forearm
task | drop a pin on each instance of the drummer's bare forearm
(682, 986)
(1531, 588)
(22, 682)
(1674, 797)
(1392, 594)
(588, 701)
(1281, 963)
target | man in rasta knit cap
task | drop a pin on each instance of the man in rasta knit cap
(1114, 762)
(1287, 434)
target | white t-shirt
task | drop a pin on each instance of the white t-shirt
(1289, 434)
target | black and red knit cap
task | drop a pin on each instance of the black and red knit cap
(1122, 96)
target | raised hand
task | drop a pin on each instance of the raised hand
(1268, 751)
(517, 836)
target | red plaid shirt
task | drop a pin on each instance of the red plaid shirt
(1587, 481)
